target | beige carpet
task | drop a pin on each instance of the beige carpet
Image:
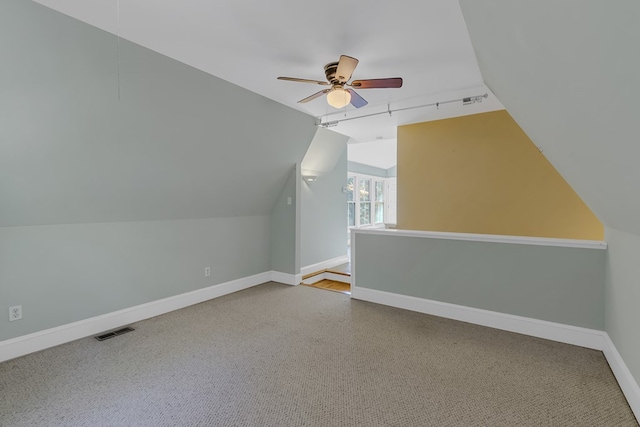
(276, 355)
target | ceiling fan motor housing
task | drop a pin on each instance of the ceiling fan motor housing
(330, 71)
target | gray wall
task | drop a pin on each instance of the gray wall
(64, 273)
(569, 73)
(109, 203)
(356, 167)
(556, 284)
(323, 233)
(179, 144)
(366, 169)
(283, 228)
(623, 295)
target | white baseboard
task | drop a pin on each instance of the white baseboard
(337, 277)
(324, 265)
(37, 341)
(328, 276)
(286, 278)
(589, 338)
(313, 279)
(625, 379)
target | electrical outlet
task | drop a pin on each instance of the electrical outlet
(207, 271)
(15, 313)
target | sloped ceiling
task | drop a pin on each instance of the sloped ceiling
(178, 144)
(324, 152)
(569, 73)
(251, 42)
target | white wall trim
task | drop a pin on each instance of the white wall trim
(352, 239)
(328, 276)
(493, 238)
(625, 379)
(286, 278)
(589, 338)
(313, 279)
(324, 265)
(337, 277)
(41, 340)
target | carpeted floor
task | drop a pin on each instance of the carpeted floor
(277, 355)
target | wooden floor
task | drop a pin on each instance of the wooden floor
(332, 285)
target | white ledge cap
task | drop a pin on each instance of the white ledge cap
(492, 238)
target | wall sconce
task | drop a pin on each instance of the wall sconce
(309, 178)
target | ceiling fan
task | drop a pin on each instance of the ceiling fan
(338, 75)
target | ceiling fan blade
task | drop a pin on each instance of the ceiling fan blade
(294, 79)
(346, 65)
(356, 100)
(394, 82)
(314, 96)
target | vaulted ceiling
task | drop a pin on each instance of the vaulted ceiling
(569, 73)
(177, 144)
(251, 42)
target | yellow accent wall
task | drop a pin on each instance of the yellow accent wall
(482, 174)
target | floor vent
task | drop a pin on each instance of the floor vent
(114, 334)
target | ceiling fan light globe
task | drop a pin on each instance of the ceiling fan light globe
(338, 98)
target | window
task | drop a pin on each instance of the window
(365, 200)
(351, 202)
(379, 202)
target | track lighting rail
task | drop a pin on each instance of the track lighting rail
(465, 101)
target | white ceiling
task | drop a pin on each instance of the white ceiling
(380, 153)
(251, 42)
